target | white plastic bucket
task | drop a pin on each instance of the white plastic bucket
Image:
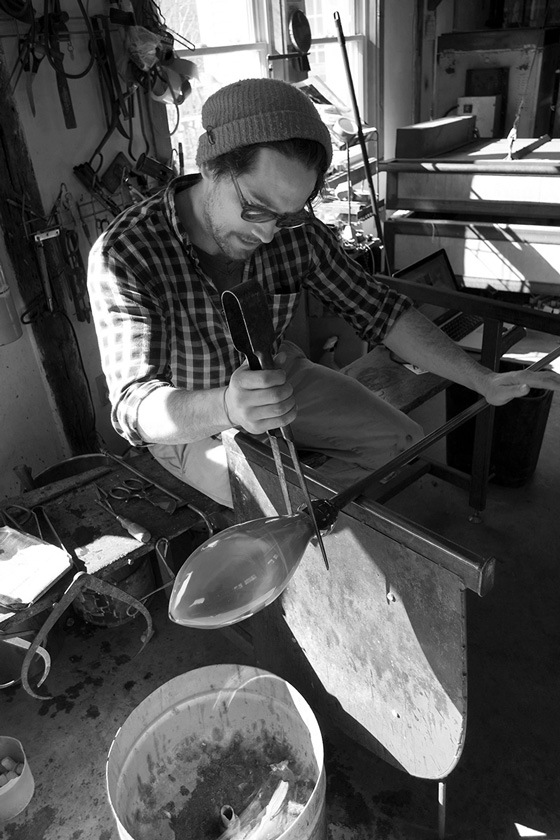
(16, 795)
(155, 758)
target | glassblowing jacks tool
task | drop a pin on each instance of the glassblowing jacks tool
(252, 333)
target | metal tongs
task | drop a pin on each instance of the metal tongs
(252, 332)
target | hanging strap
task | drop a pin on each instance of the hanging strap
(55, 25)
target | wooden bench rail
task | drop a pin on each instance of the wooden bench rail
(494, 314)
(487, 308)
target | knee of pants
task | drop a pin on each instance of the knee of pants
(202, 465)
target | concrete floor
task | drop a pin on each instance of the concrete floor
(507, 782)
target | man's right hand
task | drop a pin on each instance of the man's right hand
(259, 400)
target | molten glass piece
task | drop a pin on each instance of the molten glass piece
(239, 571)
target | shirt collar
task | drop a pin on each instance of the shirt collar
(175, 186)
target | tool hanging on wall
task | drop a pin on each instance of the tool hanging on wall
(30, 54)
(153, 62)
(40, 239)
(75, 273)
(118, 104)
(43, 40)
(154, 169)
(72, 269)
(71, 206)
(33, 223)
(56, 31)
(86, 176)
(21, 10)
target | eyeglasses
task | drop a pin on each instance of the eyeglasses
(256, 213)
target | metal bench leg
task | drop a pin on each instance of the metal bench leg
(442, 802)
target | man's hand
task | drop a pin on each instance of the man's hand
(259, 400)
(500, 388)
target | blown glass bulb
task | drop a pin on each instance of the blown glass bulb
(239, 571)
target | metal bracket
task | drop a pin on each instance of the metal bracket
(44, 235)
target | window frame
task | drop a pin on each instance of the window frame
(264, 15)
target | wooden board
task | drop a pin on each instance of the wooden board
(377, 645)
(478, 179)
(392, 381)
(434, 137)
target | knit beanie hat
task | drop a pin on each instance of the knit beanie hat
(258, 111)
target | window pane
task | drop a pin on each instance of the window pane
(210, 23)
(214, 71)
(320, 14)
(326, 61)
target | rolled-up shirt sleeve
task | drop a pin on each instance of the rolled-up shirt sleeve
(131, 331)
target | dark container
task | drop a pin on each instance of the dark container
(519, 428)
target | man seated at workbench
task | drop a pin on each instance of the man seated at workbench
(155, 279)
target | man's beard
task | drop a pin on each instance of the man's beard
(228, 242)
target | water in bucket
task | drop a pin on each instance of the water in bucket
(219, 753)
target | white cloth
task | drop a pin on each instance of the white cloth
(358, 431)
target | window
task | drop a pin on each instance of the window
(232, 40)
(326, 58)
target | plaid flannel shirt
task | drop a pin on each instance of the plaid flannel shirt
(158, 317)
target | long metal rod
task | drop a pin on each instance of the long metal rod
(343, 498)
(358, 122)
(497, 167)
(351, 493)
(442, 808)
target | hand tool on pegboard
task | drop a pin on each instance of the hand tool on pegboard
(73, 269)
(116, 103)
(252, 332)
(117, 90)
(86, 176)
(69, 203)
(75, 273)
(30, 54)
(56, 31)
(40, 239)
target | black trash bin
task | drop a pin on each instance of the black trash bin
(517, 437)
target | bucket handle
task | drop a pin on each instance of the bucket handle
(25, 644)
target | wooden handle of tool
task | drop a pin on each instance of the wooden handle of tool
(134, 529)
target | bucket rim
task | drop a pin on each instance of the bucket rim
(247, 672)
(215, 676)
